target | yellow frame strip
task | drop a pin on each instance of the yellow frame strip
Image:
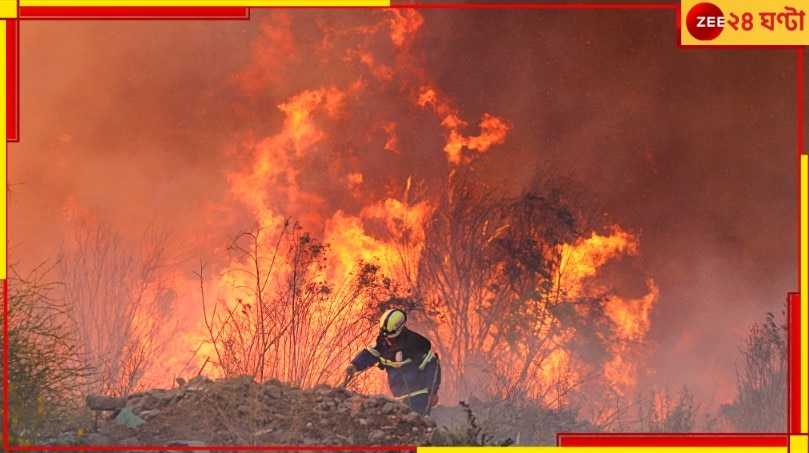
(4, 138)
(798, 443)
(804, 243)
(8, 8)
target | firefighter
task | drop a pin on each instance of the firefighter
(414, 373)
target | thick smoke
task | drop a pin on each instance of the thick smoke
(157, 123)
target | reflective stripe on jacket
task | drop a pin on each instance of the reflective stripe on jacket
(411, 365)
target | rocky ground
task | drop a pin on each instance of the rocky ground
(241, 412)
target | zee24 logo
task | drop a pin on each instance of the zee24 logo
(705, 21)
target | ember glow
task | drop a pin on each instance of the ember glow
(350, 123)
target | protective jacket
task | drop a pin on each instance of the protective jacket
(413, 369)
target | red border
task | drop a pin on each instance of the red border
(134, 12)
(12, 80)
(5, 362)
(794, 361)
(563, 439)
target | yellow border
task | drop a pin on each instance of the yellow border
(8, 8)
(804, 243)
(3, 137)
(238, 3)
(798, 443)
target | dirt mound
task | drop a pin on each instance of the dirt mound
(239, 411)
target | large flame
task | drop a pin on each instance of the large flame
(367, 217)
(270, 178)
(581, 261)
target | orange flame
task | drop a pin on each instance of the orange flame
(580, 262)
(631, 318)
(277, 159)
(404, 23)
(493, 130)
(351, 242)
(380, 231)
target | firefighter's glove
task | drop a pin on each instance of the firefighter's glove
(350, 372)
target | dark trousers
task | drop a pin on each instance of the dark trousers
(420, 404)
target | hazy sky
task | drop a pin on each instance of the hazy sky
(139, 123)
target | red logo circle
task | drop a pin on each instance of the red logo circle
(705, 21)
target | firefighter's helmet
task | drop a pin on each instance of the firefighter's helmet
(392, 323)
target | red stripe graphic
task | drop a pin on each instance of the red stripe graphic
(12, 81)
(134, 12)
(672, 440)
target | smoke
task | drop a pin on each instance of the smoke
(169, 123)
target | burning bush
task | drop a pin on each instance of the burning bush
(283, 319)
(512, 300)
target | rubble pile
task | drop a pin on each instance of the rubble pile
(241, 412)
(501, 423)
